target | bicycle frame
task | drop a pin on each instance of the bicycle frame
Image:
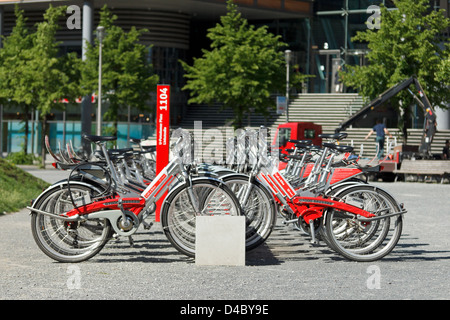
(118, 209)
(154, 191)
(308, 201)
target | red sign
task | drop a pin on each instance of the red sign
(162, 134)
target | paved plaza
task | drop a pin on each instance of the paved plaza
(285, 268)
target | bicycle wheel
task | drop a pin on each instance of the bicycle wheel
(364, 241)
(178, 216)
(67, 241)
(334, 191)
(258, 208)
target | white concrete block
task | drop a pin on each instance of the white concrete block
(220, 240)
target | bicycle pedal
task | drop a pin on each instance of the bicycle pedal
(147, 226)
(315, 243)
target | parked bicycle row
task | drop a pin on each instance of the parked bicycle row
(320, 191)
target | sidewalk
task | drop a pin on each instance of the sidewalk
(49, 174)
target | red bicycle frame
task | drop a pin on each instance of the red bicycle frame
(154, 191)
(307, 207)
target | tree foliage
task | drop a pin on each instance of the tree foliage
(12, 69)
(408, 43)
(127, 75)
(13, 58)
(243, 67)
(443, 71)
(50, 74)
(33, 73)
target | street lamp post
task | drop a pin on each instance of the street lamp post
(100, 35)
(287, 55)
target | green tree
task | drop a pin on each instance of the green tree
(12, 69)
(407, 44)
(443, 71)
(48, 77)
(243, 68)
(127, 75)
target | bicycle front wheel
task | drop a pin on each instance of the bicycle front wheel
(364, 241)
(257, 205)
(178, 216)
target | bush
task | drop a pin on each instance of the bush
(22, 158)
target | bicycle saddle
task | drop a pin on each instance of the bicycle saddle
(94, 139)
(306, 142)
(115, 154)
(335, 136)
(120, 151)
(149, 148)
(134, 140)
(338, 147)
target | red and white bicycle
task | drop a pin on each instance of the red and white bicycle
(73, 220)
(360, 221)
(320, 191)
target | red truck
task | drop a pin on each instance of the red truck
(296, 131)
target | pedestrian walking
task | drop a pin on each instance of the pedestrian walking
(380, 130)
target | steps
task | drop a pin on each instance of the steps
(356, 137)
(214, 116)
(328, 110)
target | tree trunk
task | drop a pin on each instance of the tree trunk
(25, 140)
(33, 130)
(44, 133)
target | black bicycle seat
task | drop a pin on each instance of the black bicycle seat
(94, 139)
(119, 151)
(335, 136)
(339, 148)
(149, 148)
(306, 142)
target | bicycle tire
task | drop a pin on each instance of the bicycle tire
(178, 217)
(365, 242)
(259, 209)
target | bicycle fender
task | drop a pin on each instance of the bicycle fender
(262, 185)
(182, 185)
(344, 185)
(234, 174)
(400, 205)
(59, 185)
